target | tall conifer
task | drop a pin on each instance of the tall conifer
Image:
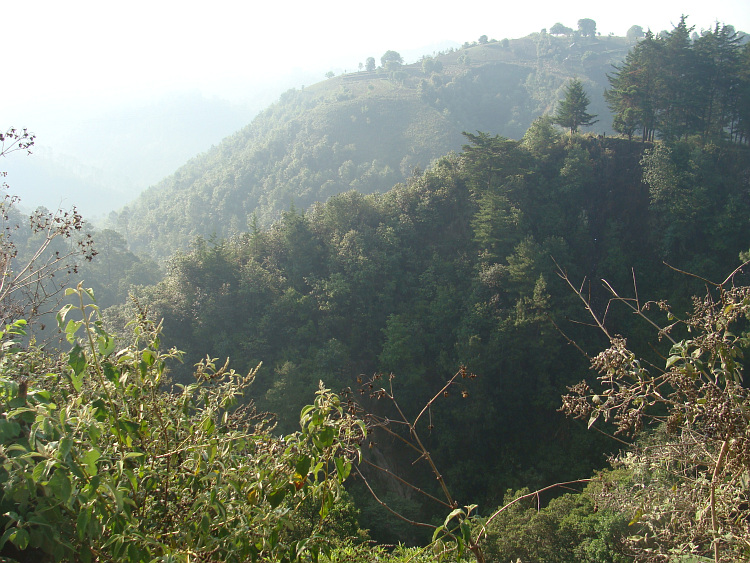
(571, 113)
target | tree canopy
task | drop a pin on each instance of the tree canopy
(571, 111)
(560, 29)
(587, 27)
(673, 87)
(391, 59)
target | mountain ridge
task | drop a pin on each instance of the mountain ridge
(365, 131)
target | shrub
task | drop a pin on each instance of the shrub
(99, 462)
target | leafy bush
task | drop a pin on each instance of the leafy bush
(99, 462)
(571, 528)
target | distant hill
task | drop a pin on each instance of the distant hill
(99, 160)
(365, 131)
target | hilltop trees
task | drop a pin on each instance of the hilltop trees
(634, 33)
(571, 111)
(391, 60)
(560, 29)
(675, 87)
(587, 27)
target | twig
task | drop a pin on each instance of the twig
(388, 508)
(405, 482)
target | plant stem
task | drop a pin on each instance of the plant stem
(714, 520)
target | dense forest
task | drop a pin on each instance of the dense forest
(419, 359)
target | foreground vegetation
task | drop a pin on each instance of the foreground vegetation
(434, 328)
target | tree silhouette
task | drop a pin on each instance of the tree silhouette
(571, 113)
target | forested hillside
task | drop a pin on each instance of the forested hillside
(404, 365)
(365, 131)
(457, 267)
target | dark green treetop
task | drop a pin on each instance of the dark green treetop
(571, 112)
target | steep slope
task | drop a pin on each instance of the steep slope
(364, 131)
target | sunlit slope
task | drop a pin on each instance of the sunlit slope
(365, 131)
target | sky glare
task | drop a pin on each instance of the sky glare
(99, 52)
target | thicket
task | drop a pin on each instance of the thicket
(101, 460)
(455, 268)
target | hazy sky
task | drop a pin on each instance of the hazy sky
(87, 76)
(113, 50)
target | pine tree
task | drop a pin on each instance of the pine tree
(636, 89)
(571, 113)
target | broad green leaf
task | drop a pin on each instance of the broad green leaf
(60, 485)
(106, 344)
(101, 409)
(116, 494)
(205, 524)
(343, 468)
(276, 497)
(672, 360)
(455, 512)
(636, 517)
(19, 538)
(89, 461)
(302, 468)
(593, 418)
(148, 357)
(16, 412)
(77, 362)
(70, 330)
(38, 471)
(128, 426)
(82, 522)
(110, 372)
(63, 313)
(9, 430)
(63, 447)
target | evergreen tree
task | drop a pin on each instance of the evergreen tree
(681, 102)
(571, 113)
(636, 89)
(717, 54)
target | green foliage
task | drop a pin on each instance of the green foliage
(391, 60)
(454, 268)
(560, 29)
(114, 269)
(587, 27)
(99, 462)
(634, 33)
(431, 65)
(571, 112)
(687, 486)
(677, 87)
(571, 528)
